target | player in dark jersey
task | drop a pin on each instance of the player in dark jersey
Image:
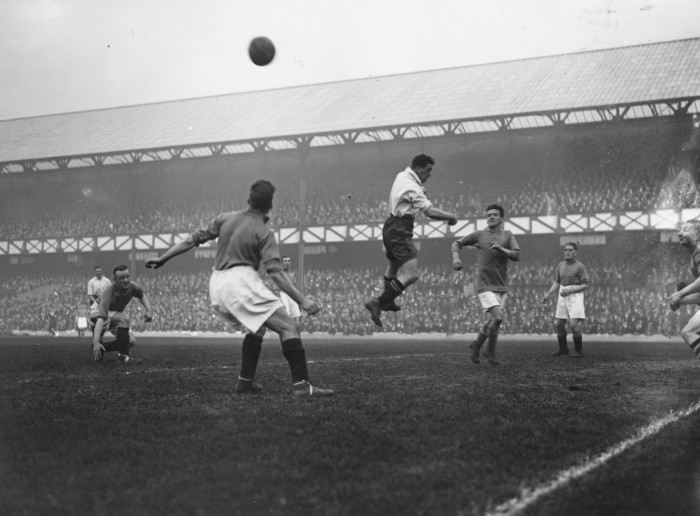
(237, 291)
(689, 237)
(495, 246)
(571, 280)
(108, 315)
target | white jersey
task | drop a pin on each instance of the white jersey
(97, 286)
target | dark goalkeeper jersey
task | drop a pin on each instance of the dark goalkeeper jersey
(115, 300)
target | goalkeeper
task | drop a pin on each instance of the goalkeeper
(108, 315)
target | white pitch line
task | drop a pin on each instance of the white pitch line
(528, 497)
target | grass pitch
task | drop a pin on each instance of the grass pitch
(414, 428)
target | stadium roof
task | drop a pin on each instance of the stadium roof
(656, 72)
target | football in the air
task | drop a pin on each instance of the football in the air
(261, 51)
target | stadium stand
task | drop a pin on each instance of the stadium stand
(598, 174)
(618, 303)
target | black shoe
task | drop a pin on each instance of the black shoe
(391, 307)
(304, 388)
(244, 385)
(559, 352)
(491, 359)
(375, 311)
(128, 359)
(475, 352)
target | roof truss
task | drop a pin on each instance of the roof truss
(510, 122)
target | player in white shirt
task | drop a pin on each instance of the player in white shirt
(95, 287)
(406, 199)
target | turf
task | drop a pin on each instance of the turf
(415, 428)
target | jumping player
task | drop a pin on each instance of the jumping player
(495, 246)
(108, 315)
(406, 199)
(571, 281)
(237, 291)
(689, 237)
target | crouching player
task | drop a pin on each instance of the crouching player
(108, 316)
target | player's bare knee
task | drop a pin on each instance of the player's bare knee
(690, 333)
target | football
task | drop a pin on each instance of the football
(261, 51)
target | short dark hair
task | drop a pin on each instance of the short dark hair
(261, 194)
(496, 207)
(695, 224)
(119, 268)
(422, 161)
(572, 244)
(97, 267)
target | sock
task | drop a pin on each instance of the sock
(491, 346)
(110, 346)
(393, 290)
(250, 352)
(578, 342)
(122, 342)
(482, 336)
(295, 354)
(695, 346)
(562, 342)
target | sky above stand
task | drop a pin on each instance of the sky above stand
(59, 56)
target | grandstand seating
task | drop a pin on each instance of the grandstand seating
(584, 175)
(618, 303)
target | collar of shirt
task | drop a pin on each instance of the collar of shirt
(412, 173)
(258, 215)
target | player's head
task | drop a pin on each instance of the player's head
(98, 272)
(121, 275)
(286, 263)
(422, 165)
(689, 233)
(261, 194)
(494, 215)
(570, 250)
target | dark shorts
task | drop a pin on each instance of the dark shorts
(397, 235)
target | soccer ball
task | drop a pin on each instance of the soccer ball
(261, 51)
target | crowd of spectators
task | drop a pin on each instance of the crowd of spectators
(619, 302)
(584, 177)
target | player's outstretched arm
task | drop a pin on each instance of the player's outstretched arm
(97, 347)
(285, 284)
(176, 250)
(148, 316)
(438, 214)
